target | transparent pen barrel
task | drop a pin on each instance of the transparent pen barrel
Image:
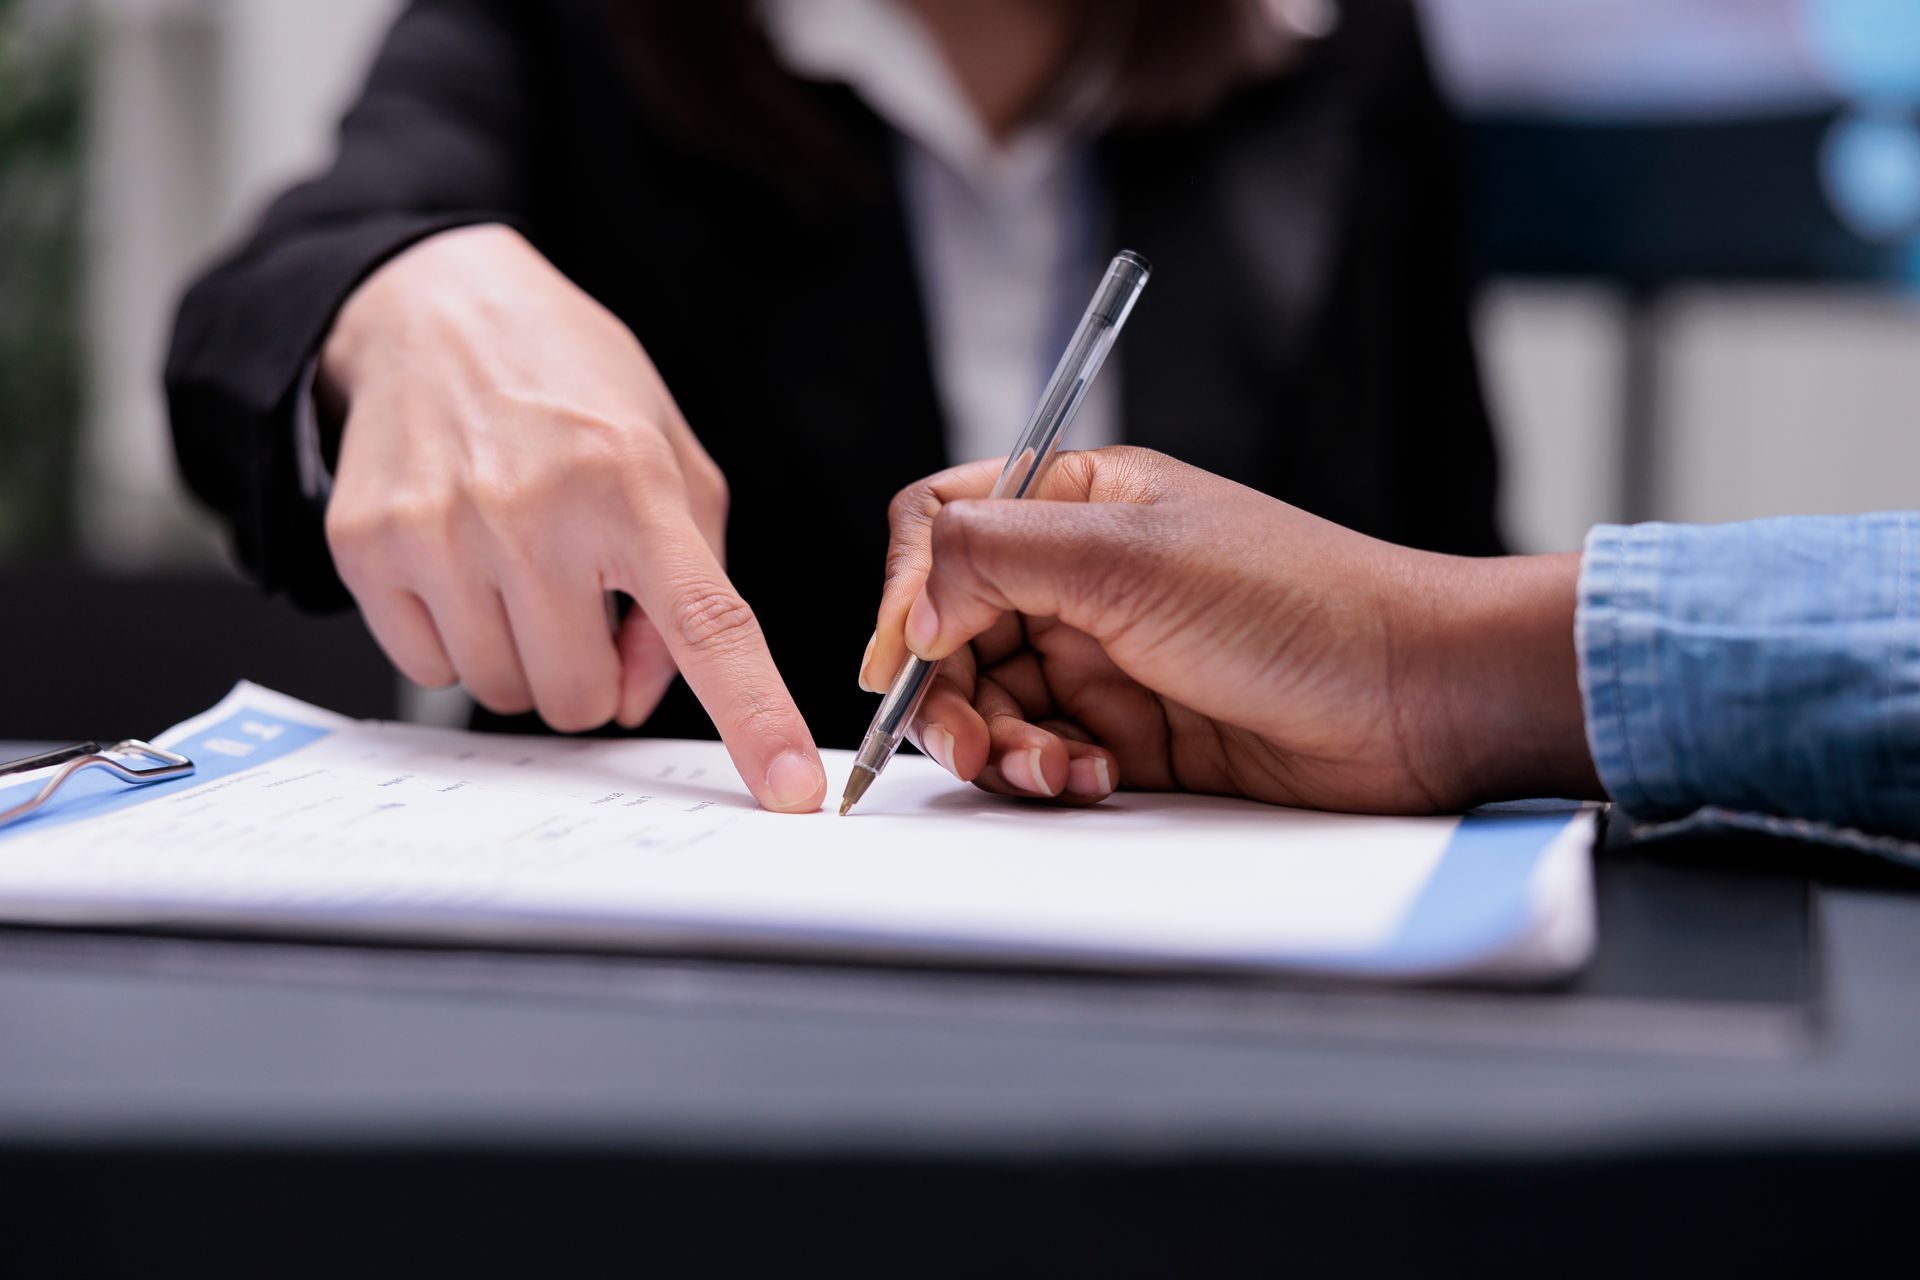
(1079, 365)
(896, 713)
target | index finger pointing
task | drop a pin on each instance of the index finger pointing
(719, 647)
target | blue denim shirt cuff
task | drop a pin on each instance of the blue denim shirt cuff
(1614, 638)
(1766, 671)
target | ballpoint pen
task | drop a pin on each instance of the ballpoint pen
(1032, 452)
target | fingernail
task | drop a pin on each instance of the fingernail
(1022, 769)
(1087, 776)
(865, 658)
(794, 782)
(939, 745)
(923, 625)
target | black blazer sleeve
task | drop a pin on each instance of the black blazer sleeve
(434, 142)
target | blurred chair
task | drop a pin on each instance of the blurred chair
(1648, 205)
(86, 655)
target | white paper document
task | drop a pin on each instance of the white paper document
(304, 822)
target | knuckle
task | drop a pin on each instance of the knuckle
(411, 518)
(714, 617)
(652, 450)
(561, 413)
(652, 487)
(350, 536)
(917, 503)
(1074, 474)
(907, 555)
(1136, 455)
(1135, 474)
(505, 503)
(368, 540)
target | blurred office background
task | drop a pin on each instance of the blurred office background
(1700, 221)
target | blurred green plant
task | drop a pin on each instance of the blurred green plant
(41, 135)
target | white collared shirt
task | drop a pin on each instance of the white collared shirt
(1006, 235)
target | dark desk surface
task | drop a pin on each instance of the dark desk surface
(140, 1080)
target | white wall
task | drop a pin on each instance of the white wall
(1790, 402)
(1553, 358)
(1773, 401)
(201, 109)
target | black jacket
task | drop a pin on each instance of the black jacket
(1306, 331)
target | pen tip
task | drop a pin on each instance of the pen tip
(857, 783)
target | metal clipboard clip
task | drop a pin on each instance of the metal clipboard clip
(159, 765)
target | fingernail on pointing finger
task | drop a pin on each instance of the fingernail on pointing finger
(865, 658)
(1088, 776)
(939, 745)
(923, 625)
(795, 782)
(1022, 769)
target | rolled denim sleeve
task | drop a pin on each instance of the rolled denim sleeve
(1758, 674)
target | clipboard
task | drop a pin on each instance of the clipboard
(1505, 897)
(133, 762)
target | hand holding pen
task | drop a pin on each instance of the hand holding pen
(1026, 466)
